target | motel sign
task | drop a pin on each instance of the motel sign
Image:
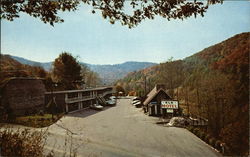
(173, 104)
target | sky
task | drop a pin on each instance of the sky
(95, 41)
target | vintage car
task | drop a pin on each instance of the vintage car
(96, 107)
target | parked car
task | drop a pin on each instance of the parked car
(137, 104)
(112, 97)
(136, 98)
(111, 102)
(96, 107)
(135, 101)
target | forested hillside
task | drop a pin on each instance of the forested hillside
(10, 67)
(213, 84)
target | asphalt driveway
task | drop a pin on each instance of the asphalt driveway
(122, 130)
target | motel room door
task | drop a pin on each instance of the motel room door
(152, 110)
(158, 109)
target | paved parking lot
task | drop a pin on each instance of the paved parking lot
(123, 130)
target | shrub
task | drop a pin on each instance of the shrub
(199, 133)
(195, 131)
(202, 135)
(217, 145)
(212, 141)
(21, 143)
(190, 128)
(207, 137)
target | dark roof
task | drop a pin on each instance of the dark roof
(153, 93)
(80, 90)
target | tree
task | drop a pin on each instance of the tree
(129, 13)
(84, 71)
(92, 79)
(119, 89)
(217, 97)
(171, 74)
(236, 134)
(36, 71)
(67, 70)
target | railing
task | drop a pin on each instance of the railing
(198, 121)
(106, 93)
(79, 99)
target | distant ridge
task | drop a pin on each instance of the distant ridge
(109, 73)
(46, 65)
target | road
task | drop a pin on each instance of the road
(122, 130)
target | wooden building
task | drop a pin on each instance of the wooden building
(153, 102)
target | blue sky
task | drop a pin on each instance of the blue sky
(96, 41)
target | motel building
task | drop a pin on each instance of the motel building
(159, 103)
(69, 101)
(25, 96)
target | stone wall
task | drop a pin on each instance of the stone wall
(23, 95)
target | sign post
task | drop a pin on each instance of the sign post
(170, 111)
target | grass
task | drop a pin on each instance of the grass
(37, 121)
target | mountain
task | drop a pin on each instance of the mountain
(230, 56)
(111, 73)
(108, 73)
(46, 65)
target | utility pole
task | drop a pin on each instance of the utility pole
(54, 105)
(186, 94)
(52, 110)
(145, 85)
